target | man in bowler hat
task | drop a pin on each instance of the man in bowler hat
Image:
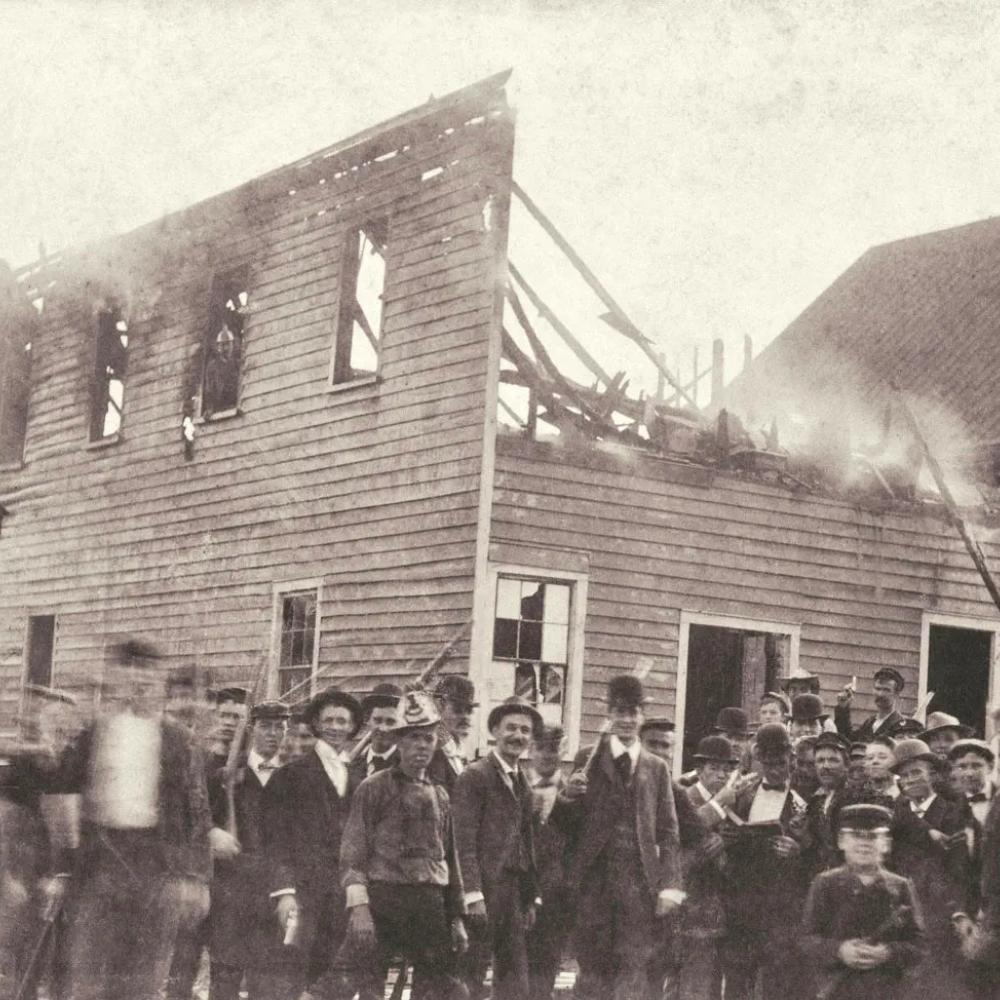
(493, 831)
(618, 812)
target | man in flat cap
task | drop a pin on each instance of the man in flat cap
(243, 936)
(862, 923)
(456, 700)
(305, 808)
(619, 815)
(493, 833)
(379, 709)
(399, 867)
(887, 685)
(832, 754)
(972, 764)
(765, 876)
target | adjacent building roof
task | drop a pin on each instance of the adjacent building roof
(921, 313)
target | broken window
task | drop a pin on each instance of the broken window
(531, 643)
(223, 349)
(297, 652)
(15, 388)
(362, 286)
(108, 386)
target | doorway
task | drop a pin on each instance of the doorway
(958, 672)
(724, 663)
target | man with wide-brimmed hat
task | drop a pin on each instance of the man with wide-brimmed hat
(379, 709)
(619, 814)
(862, 922)
(243, 938)
(765, 873)
(798, 682)
(305, 808)
(493, 831)
(399, 866)
(887, 685)
(456, 700)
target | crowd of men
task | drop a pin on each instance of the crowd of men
(339, 850)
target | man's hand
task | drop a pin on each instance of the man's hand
(459, 939)
(785, 847)
(726, 796)
(223, 844)
(856, 954)
(576, 787)
(476, 914)
(360, 927)
(846, 695)
(284, 907)
(712, 846)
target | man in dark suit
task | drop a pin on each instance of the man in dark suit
(972, 763)
(244, 936)
(820, 840)
(618, 812)
(379, 709)
(887, 685)
(306, 804)
(143, 864)
(765, 876)
(492, 805)
(456, 700)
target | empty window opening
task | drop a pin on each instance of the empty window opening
(958, 672)
(108, 387)
(15, 390)
(531, 644)
(298, 647)
(223, 348)
(728, 668)
(40, 646)
(362, 287)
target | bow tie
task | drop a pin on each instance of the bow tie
(978, 797)
(769, 787)
(266, 765)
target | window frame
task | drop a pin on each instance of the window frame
(689, 618)
(7, 375)
(576, 634)
(383, 218)
(976, 624)
(25, 655)
(238, 274)
(113, 307)
(279, 592)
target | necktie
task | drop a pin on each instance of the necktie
(267, 765)
(623, 764)
(769, 787)
(978, 797)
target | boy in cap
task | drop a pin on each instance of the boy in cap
(305, 808)
(400, 870)
(887, 685)
(863, 925)
(493, 809)
(243, 937)
(456, 700)
(774, 707)
(618, 812)
(766, 878)
(379, 709)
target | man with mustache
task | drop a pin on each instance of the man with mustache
(887, 685)
(493, 833)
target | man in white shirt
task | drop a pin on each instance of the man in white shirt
(456, 700)
(380, 708)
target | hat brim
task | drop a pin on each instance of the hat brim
(963, 730)
(811, 718)
(373, 701)
(699, 758)
(339, 698)
(927, 757)
(502, 711)
(745, 733)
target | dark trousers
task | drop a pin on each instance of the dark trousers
(505, 907)
(697, 973)
(410, 920)
(123, 930)
(546, 941)
(261, 984)
(188, 948)
(767, 955)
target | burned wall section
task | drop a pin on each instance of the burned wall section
(367, 490)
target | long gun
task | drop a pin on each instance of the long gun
(232, 756)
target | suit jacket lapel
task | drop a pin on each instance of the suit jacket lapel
(501, 776)
(606, 761)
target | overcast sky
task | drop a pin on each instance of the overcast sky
(718, 164)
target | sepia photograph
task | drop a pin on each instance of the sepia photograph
(499, 500)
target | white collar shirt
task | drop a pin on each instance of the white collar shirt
(618, 748)
(261, 767)
(982, 808)
(333, 764)
(920, 808)
(454, 755)
(768, 804)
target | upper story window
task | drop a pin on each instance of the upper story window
(298, 648)
(223, 349)
(39, 649)
(107, 396)
(15, 390)
(362, 287)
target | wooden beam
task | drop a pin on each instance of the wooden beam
(618, 318)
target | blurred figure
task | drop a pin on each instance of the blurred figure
(187, 702)
(144, 859)
(230, 711)
(880, 782)
(804, 779)
(857, 774)
(456, 700)
(299, 738)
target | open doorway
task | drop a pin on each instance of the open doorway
(727, 663)
(958, 672)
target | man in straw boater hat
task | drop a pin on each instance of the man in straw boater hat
(399, 867)
(242, 933)
(493, 808)
(379, 709)
(305, 808)
(618, 813)
(863, 928)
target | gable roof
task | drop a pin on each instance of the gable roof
(921, 313)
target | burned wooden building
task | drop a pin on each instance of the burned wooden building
(278, 428)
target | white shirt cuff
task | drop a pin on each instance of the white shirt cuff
(715, 805)
(474, 897)
(357, 895)
(282, 892)
(673, 895)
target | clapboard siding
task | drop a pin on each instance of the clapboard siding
(659, 540)
(372, 488)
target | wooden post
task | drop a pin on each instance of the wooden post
(718, 369)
